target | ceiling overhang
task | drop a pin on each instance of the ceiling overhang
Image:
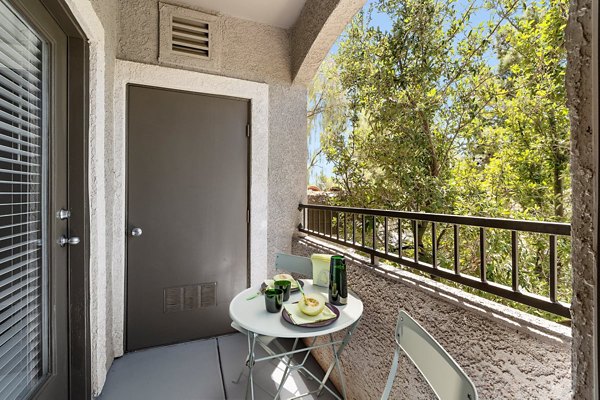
(278, 13)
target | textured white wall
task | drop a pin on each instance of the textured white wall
(250, 50)
(191, 81)
(320, 23)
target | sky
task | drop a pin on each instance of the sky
(384, 22)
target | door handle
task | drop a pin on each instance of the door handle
(63, 241)
(136, 232)
(63, 214)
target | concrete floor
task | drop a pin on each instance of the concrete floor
(202, 370)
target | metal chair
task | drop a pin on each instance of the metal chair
(288, 263)
(296, 264)
(442, 373)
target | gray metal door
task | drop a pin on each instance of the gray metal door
(187, 214)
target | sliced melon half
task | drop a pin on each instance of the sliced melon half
(312, 304)
(286, 277)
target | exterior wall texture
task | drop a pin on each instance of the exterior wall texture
(579, 82)
(506, 353)
(107, 12)
(287, 166)
(250, 50)
(318, 27)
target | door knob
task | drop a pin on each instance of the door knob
(136, 232)
(63, 241)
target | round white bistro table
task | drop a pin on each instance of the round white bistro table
(249, 313)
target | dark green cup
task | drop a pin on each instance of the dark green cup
(284, 285)
(274, 300)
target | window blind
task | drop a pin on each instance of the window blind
(23, 336)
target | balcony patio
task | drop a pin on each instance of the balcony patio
(140, 270)
(209, 369)
(507, 353)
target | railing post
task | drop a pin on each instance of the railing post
(374, 259)
(433, 245)
(374, 242)
(482, 265)
(553, 268)
(362, 216)
(353, 228)
(400, 238)
(320, 227)
(385, 236)
(416, 241)
(456, 250)
(515, 260)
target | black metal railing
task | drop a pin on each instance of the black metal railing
(339, 225)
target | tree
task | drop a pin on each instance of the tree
(458, 108)
(519, 150)
(326, 105)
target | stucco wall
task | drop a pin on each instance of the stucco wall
(506, 353)
(320, 24)
(287, 165)
(251, 50)
(579, 82)
(107, 12)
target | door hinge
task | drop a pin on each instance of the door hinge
(247, 216)
(247, 130)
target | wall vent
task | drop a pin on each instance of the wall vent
(191, 37)
(189, 297)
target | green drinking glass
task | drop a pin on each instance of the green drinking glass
(274, 300)
(284, 285)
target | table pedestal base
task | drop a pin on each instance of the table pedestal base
(286, 358)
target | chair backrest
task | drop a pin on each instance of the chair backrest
(297, 264)
(444, 375)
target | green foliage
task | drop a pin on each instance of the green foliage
(326, 110)
(441, 114)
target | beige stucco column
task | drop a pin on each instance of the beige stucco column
(580, 82)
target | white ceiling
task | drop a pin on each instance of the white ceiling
(279, 13)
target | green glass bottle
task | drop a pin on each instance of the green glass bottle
(338, 283)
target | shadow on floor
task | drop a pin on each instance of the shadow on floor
(209, 369)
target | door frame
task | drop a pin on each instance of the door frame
(128, 72)
(79, 348)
